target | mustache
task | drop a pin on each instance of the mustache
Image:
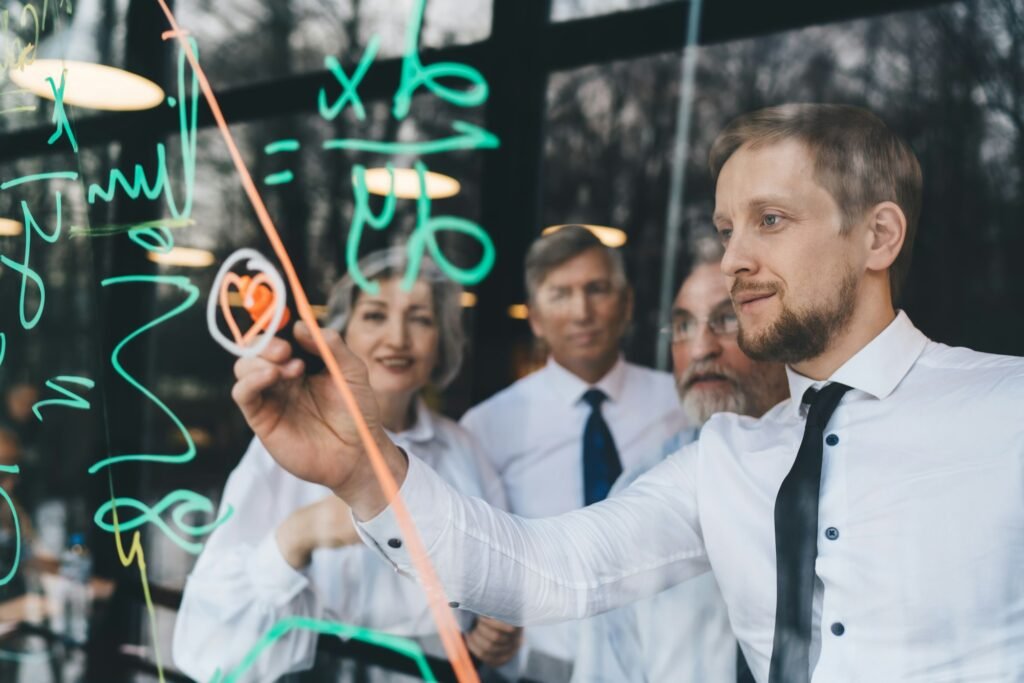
(700, 370)
(743, 286)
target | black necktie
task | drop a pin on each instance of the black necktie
(796, 543)
(601, 466)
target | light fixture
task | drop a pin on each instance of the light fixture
(10, 227)
(610, 237)
(468, 299)
(89, 85)
(407, 183)
(183, 256)
(518, 311)
(319, 310)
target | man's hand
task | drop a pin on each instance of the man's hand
(303, 421)
(326, 523)
(494, 642)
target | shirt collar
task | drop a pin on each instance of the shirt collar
(568, 388)
(877, 369)
(422, 430)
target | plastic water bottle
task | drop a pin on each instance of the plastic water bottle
(76, 568)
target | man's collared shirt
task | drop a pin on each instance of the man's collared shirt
(679, 634)
(532, 433)
(920, 557)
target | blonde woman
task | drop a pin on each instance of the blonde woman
(290, 548)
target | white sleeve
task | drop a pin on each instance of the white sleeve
(528, 571)
(241, 586)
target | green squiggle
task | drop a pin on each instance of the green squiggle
(72, 401)
(415, 75)
(425, 237)
(402, 646)
(25, 270)
(12, 469)
(157, 239)
(140, 185)
(348, 86)
(52, 175)
(60, 117)
(472, 137)
(187, 502)
(183, 283)
(289, 145)
(363, 215)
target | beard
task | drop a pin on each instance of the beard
(752, 394)
(797, 336)
(700, 404)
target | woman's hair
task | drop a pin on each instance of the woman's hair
(446, 297)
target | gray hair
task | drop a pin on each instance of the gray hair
(446, 297)
(550, 251)
(705, 250)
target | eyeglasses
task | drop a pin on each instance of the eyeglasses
(686, 328)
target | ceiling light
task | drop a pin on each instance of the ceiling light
(610, 237)
(407, 183)
(89, 85)
(10, 227)
(518, 311)
(468, 299)
(184, 256)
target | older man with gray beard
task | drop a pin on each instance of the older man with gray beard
(683, 633)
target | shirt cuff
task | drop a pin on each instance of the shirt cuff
(428, 500)
(271, 575)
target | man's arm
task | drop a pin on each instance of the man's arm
(491, 562)
(527, 571)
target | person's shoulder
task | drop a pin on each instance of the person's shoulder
(994, 374)
(496, 408)
(648, 383)
(450, 433)
(730, 430)
(650, 375)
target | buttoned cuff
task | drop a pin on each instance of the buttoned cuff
(271, 575)
(428, 500)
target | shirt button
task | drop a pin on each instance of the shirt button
(831, 533)
(453, 604)
(395, 542)
(831, 439)
(838, 629)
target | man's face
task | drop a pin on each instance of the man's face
(712, 374)
(792, 276)
(581, 312)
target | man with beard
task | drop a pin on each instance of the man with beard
(869, 528)
(683, 633)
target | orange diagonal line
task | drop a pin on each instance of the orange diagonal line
(448, 629)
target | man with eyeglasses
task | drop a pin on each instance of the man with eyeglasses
(683, 633)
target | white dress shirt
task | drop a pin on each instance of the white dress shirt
(532, 432)
(241, 585)
(922, 581)
(680, 634)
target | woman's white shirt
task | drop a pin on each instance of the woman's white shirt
(241, 585)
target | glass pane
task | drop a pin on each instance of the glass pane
(562, 10)
(296, 36)
(607, 161)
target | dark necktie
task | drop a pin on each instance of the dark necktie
(796, 542)
(601, 466)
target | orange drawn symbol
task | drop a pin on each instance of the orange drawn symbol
(257, 298)
(261, 295)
